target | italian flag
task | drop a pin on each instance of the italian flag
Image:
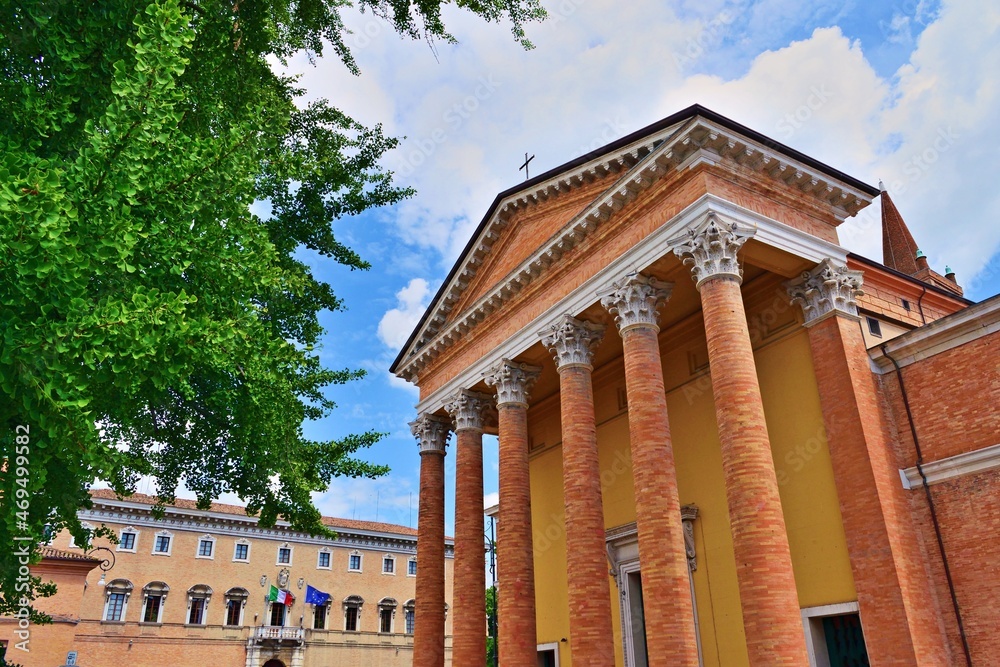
(280, 596)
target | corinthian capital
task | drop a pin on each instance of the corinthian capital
(711, 249)
(826, 289)
(469, 409)
(572, 342)
(513, 381)
(635, 301)
(431, 433)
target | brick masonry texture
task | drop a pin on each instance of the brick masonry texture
(428, 627)
(469, 603)
(900, 619)
(953, 397)
(515, 562)
(591, 639)
(670, 629)
(763, 561)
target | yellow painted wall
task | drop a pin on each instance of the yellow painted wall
(802, 461)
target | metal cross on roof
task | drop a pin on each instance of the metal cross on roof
(525, 165)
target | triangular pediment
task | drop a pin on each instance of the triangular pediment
(530, 227)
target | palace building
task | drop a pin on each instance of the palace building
(213, 587)
(723, 438)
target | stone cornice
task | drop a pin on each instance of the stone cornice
(638, 257)
(635, 301)
(641, 164)
(826, 289)
(214, 523)
(969, 324)
(960, 465)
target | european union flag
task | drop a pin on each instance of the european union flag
(316, 597)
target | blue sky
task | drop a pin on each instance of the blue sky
(902, 91)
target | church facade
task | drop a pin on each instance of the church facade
(723, 438)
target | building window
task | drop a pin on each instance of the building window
(277, 613)
(906, 305)
(284, 555)
(116, 603)
(408, 614)
(127, 539)
(354, 563)
(411, 567)
(352, 613)
(323, 560)
(319, 616)
(206, 547)
(88, 529)
(198, 599)
(241, 551)
(163, 543)
(388, 565)
(386, 612)
(155, 595)
(236, 600)
(874, 327)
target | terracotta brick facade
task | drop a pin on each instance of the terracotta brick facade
(469, 602)
(429, 629)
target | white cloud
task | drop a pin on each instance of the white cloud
(491, 499)
(397, 323)
(391, 499)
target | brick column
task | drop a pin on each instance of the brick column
(468, 644)
(666, 588)
(515, 558)
(768, 595)
(894, 596)
(573, 342)
(428, 631)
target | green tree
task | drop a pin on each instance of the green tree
(491, 620)
(152, 322)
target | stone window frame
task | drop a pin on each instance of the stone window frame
(329, 561)
(356, 602)
(170, 543)
(389, 558)
(242, 542)
(388, 606)
(409, 616)
(411, 571)
(235, 594)
(153, 588)
(197, 550)
(116, 587)
(361, 561)
(202, 592)
(291, 554)
(128, 530)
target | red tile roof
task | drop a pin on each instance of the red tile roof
(223, 508)
(51, 553)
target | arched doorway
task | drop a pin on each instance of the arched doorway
(274, 663)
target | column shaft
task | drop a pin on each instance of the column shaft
(515, 558)
(428, 630)
(768, 594)
(469, 624)
(591, 641)
(669, 614)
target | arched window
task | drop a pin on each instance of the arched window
(117, 592)
(154, 596)
(198, 599)
(386, 614)
(236, 602)
(409, 614)
(352, 612)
